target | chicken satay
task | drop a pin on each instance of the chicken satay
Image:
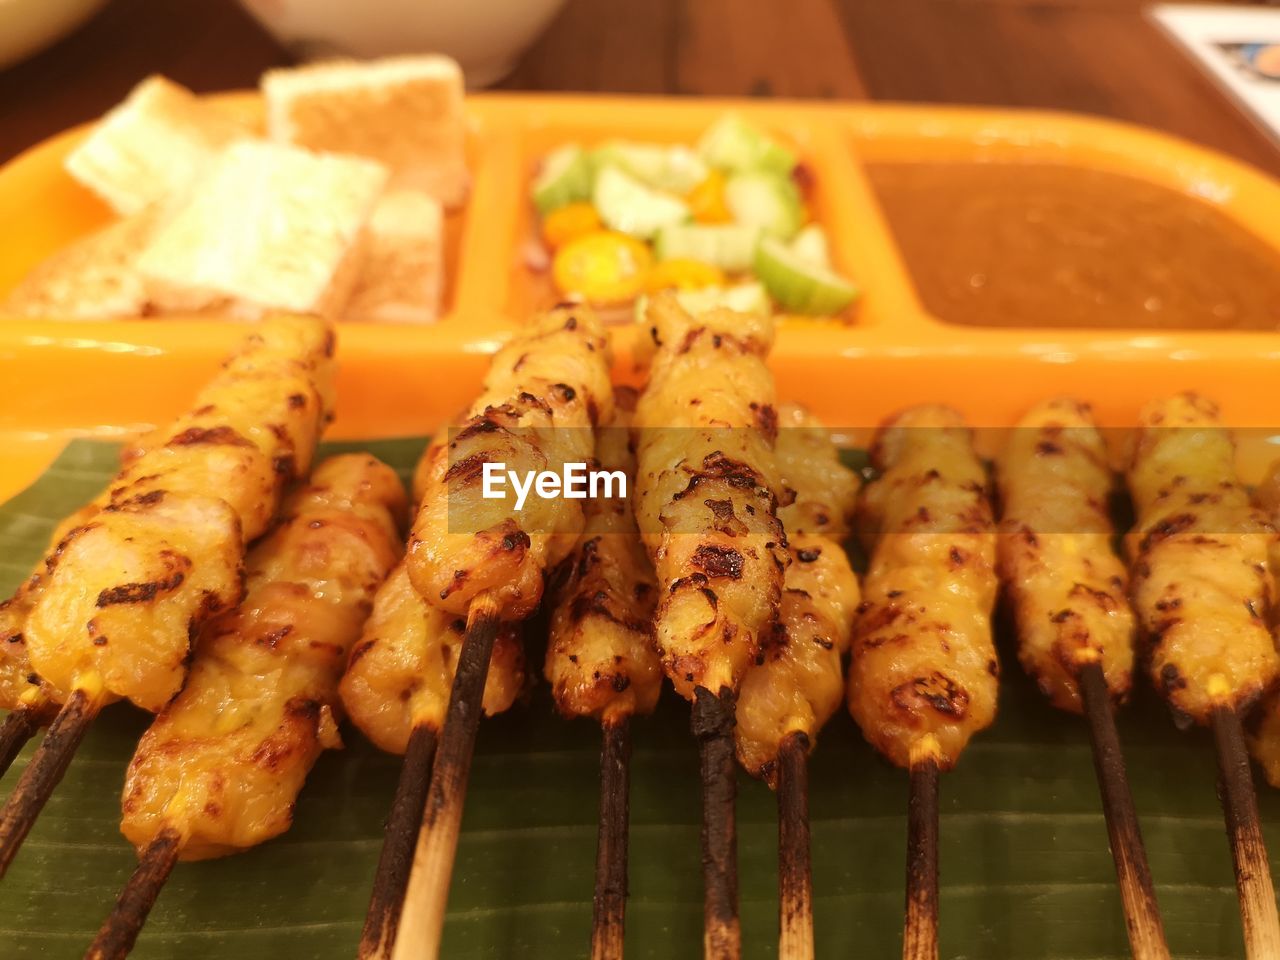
(600, 658)
(1068, 589)
(401, 669)
(1199, 550)
(1202, 591)
(126, 589)
(223, 763)
(544, 393)
(924, 663)
(220, 769)
(601, 662)
(1069, 594)
(247, 433)
(707, 488)
(486, 558)
(797, 682)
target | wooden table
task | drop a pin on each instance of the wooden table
(1095, 56)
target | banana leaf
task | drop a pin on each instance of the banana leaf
(1026, 873)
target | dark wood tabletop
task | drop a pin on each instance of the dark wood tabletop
(1095, 56)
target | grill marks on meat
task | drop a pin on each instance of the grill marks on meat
(543, 394)
(707, 493)
(797, 682)
(600, 659)
(1067, 588)
(223, 763)
(923, 656)
(147, 563)
(1200, 561)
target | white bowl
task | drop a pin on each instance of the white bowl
(485, 36)
(28, 26)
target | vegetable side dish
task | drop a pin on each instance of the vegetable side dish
(725, 223)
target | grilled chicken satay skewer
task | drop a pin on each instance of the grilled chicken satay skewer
(798, 680)
(220, 769)
(1069, 593)
(601, 662)
(396, 691)
(31, 702)
(160, 552)
(1201, 591)
(707, 485)
(481, 558)
(924, 673)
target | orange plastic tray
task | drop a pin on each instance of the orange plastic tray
(66, 379)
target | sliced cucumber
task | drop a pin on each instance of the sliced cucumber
(764, 200)
(565, 178)
(799, 286)
(673, 168)
(810, 245)
(628, 206)
(733, 144)
(742, 297)
(729, 246)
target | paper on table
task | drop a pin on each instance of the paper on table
(1238, 46)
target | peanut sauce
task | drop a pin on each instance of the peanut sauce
(1021, 245)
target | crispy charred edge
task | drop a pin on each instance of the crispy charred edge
(587, 603)
(1133, 872)
(1073, 646)
(795, 875)
(718, 339)
(920, 931)
(712, 724)
(503, 538)
(396, 860)
(120, 930)
(1248, 847)
(44, 773)
(609, 904)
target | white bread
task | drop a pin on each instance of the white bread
(268, 227)
(151, 146)
(95, 278)
(402, 276)
(405, 112)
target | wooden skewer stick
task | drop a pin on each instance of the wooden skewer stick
(1248, 849)
(44, 772)
(609, 907)
(396, 860)
(795, 875)
(713, 722)
(920, 933)
(120, 930)
(19, 726)
(427, 892)
(1137, 892)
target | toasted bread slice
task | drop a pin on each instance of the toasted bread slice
(151, 146)
(269, 227)
(405, 112)
(95, 278)
(402, 276)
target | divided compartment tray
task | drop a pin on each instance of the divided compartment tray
(67, 379)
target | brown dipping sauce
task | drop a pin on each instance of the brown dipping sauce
(1020, 245)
